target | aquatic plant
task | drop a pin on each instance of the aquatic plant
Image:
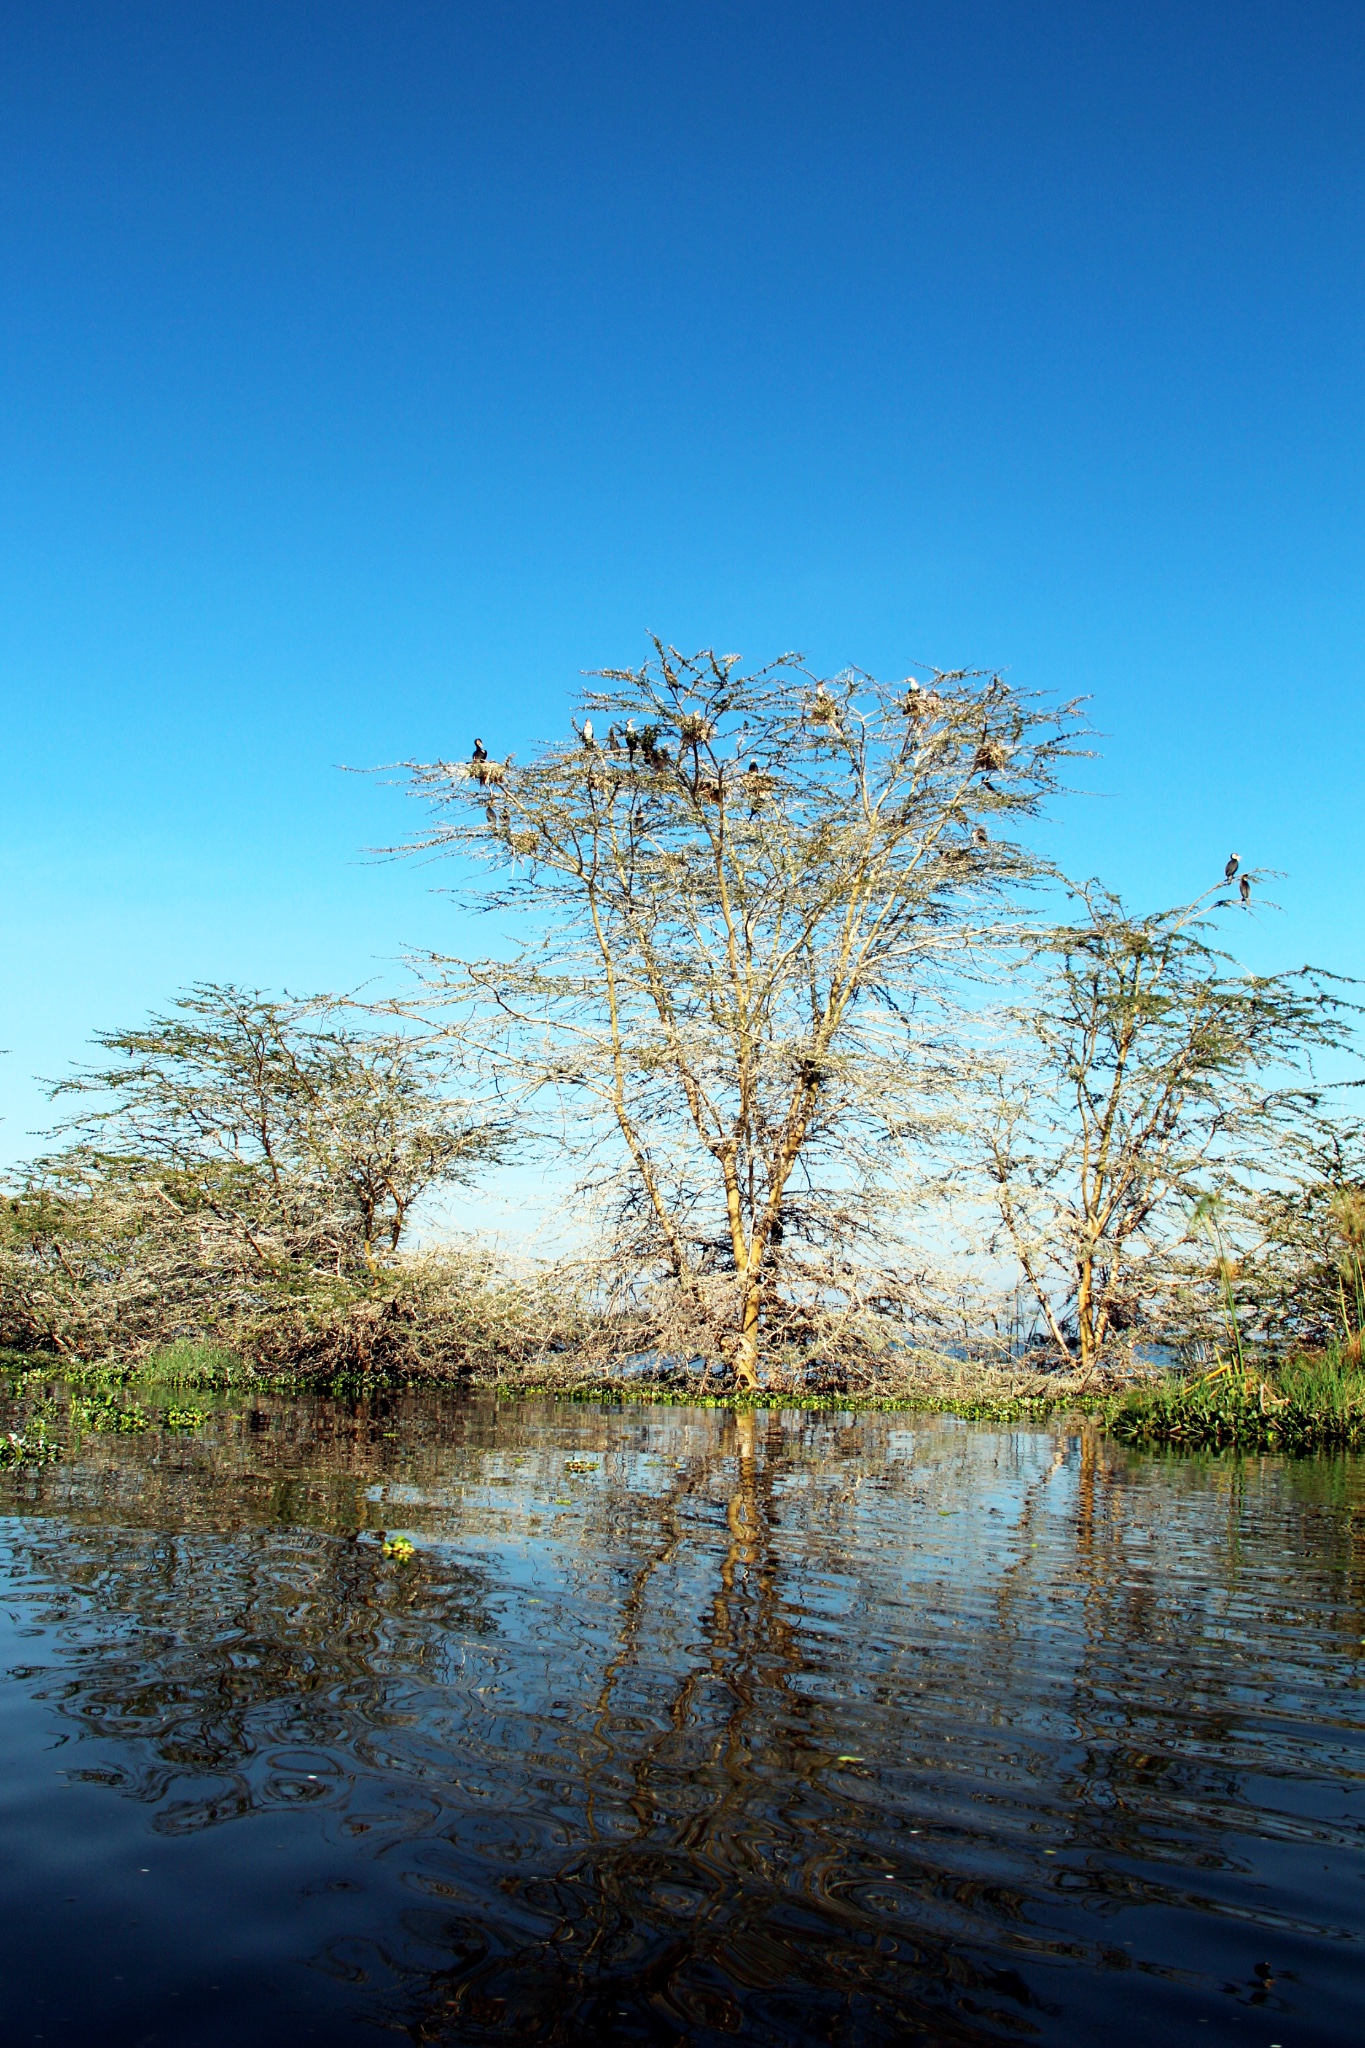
(106, 1416)
(1307, 1404)
(27, 1447)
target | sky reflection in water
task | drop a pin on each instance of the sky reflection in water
(678, 1727)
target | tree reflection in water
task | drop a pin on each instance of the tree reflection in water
(681, 1724)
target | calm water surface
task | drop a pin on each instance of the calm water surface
(677, 1727)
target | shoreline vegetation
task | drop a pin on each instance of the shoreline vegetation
(1302, 1406)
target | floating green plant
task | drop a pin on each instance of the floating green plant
(184, 1418)
(106, 1418)
(21, 1447)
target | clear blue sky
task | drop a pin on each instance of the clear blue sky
(368, 370)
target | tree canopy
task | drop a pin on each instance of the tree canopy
(239, 1157)
(747, 899)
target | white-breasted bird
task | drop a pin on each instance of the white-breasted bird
(1234, 862)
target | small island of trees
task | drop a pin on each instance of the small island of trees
(849, 1093)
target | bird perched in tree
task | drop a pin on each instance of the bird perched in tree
(1234, 862)
(632, 738)
(1244, 888)
(480, 753)
(822, 707)
(980, 836)
(756, 785)
(587, 732)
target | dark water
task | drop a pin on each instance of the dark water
(790, 1729)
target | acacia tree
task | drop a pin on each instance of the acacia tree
(291, 1124)
(1148, 1078)
(1305, 1282)
(227, 1158)
(749, 898)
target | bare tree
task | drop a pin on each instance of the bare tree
(1148, 1075)
(749, 899)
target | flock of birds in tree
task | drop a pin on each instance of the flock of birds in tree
(823, 712)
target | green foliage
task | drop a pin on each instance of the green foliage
(1157, 1085)
(985, 1406)
(1308, 1404)
(1305, 1281)
(242, 1176)
(184, 1418)
(106, 1416)
(26, 1447)
(185, 1363)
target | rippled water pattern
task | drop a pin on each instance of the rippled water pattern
(677, 1727)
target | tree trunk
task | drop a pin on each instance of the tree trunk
(746, 1351)
(1085, 1311)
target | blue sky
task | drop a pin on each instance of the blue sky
(368, 371)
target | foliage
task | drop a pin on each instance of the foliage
(1304, 1282)
(107, 1416)
(185, 1364)
(755, 916)
(26, 1447)
(1149, 1084)
(751, 898)
(243, 1174)
(1310, 1403)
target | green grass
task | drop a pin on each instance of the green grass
(1306, 1404)
(186, 1363)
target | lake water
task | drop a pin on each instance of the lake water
(677, 1727)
